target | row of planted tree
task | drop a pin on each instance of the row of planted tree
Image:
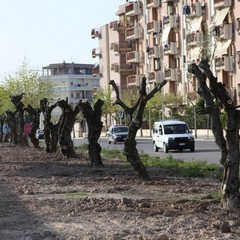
(217, 101)
(60, 132)
(54, 133)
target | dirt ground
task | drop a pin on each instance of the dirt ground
(48, 197)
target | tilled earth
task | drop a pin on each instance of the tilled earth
(44, 196)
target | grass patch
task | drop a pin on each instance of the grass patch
(78, 195)
(182, 168)
(216, 196)
(175, 167)
(106, 153)
(113, 154)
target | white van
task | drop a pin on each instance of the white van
(172, 134)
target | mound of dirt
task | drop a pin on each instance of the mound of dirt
(48, 196)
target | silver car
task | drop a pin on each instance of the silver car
(117, 133)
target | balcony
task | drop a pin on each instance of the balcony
(125, 46)
(133, 9)
(115, 67)
(171, 48)
(225, 31)
(171, 74)
(156, 77)
(114, 25)
(153, 3)
(134, 80)
(222, 3)
(133, 57)
(172, 20)
(196, 10)
(194, 39)
(154, 27)
(95, 33)
(155, 52)
(134, 33)
(224, 63)
(96, 52)
(96, 71)
(114, 47)
(127, 68)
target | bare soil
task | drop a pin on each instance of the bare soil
(45, 196)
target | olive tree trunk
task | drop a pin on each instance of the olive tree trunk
(19, 120)
(66, 123)
(216, 96)
(130, 149)
(50, 132)
(34, 115)
(93, 118)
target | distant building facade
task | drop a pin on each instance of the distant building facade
(159, 38)
(74, 81)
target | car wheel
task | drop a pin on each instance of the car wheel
(165, 148)
(114, 141)
(192, 149)
(108, 140)
(155, 148)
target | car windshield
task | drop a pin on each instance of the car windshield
(176, 129)
(120, 129)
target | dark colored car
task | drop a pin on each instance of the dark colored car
(40, 134)
(117, 133)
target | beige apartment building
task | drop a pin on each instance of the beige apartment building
(159, 38)
(72, 81)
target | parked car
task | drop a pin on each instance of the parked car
(172, 134)
(117, 133)
(40, 134)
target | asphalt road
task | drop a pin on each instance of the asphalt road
(205, 150)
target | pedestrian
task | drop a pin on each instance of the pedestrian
(6, 132)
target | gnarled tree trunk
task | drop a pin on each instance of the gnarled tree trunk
(19, 119)
(34, 115)
(214, 96)
(2, 119)
(67, 120)
(93, 118)
(130, 149)
(50, 132)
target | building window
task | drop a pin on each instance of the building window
(71, 94)
(238, 25)
(157, 65)
(238, 58)
(71, 83)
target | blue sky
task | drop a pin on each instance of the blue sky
(50, 31)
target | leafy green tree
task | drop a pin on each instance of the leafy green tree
(5, 102)
(28, 82)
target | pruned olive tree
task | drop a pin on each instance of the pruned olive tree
(66, 123)
(50, 129)
(136, 121)
(34, 115)
(216, 96)
(93, 118)
(18, 115)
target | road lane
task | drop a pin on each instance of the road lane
(205, 150)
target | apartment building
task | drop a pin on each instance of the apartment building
(74, 81)
(160, 38)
